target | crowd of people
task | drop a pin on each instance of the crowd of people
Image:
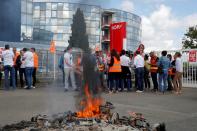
(117, 71)
(23, 64)
(117, 68)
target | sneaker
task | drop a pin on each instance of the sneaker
(25, 87)
(110, 92)
(138, 91)
(33, 87)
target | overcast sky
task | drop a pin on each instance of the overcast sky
(164, 22)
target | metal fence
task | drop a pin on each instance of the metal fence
(46, 59)
(189, 68)
(46, 62)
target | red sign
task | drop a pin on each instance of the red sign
(192, 56)
(117, 36)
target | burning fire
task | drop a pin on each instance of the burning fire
(91, 106)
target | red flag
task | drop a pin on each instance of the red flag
(52, 47)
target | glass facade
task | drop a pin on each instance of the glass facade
(133, 27)
(52, 19)
(56, 17)
(26, 19)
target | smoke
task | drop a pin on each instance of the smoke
(10, 20)
(90, 79)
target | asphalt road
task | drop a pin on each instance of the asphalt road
(178, 112)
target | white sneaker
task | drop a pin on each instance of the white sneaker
(138, 91)
(25, 87)
(33, 87)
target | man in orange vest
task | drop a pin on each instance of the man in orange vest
(35, 56)
(153, 70)
(16, 54)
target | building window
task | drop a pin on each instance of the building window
(48, 6)
(23, 6)
(60, 37)
(29, 8)
(43, 14)
(54, 6)
(54, 14)
(53, 21)
(36, 14)
(60, 14)
(48, 13)
(42, 6)
(60, 6)
(36, 6)
(65, 7)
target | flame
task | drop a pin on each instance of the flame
(91, 106)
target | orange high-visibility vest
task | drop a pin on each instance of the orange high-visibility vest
(35, 60)
(153, 63)
(15, 57)
(116, 66)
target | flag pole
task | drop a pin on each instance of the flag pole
(54, 75)
(53, 51)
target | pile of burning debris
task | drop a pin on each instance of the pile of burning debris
(69, 121)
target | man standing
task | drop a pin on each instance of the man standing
(21, 66)
(164, 65)
(69, 69)
(35, 58)
(126, 73)
(153, 70)
(29, 66)
(179, 73)
(100, 67)
(139, 65)
(8, 60)
(16, 54)
(61, 66)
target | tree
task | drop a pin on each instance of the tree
(79, 37)
(190, 38)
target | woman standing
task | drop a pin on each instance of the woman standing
(178, 74)
(114, 71)
(146, 72)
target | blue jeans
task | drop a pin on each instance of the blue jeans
(140, 78)
(29, 72)
(163, 78)
(9, 69)
(114, 81)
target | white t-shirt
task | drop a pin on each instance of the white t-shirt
(8, 57)
(124, 60)
(139, 61)
(179, 65)
(23, 63)
(68, 57)
(29, 59)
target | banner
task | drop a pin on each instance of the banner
(118, 36)
(192, 56)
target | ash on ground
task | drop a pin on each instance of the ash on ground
(68, 121)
